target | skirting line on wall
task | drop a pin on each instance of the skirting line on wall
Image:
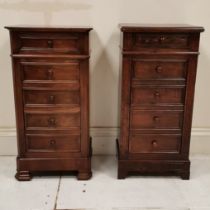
(103, 141)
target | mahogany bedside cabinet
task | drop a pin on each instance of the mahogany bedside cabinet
(158, 80)
(51, 87)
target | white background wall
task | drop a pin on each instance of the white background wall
(104, 16)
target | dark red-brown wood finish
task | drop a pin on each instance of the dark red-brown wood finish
(51, 86)
(158, 78)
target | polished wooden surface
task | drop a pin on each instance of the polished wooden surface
(126, 27)
(157, 90)
(51, 85)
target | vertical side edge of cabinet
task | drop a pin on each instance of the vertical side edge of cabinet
(18, 106)
(14, 41)
(84, 95)
(125, 107)
(189, 97)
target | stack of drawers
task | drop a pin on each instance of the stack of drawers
(158, 78)
(51, 84)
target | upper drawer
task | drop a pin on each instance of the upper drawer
(50, 71)
(51, 43)
(159, 69)
(43, 97)
(138, 41)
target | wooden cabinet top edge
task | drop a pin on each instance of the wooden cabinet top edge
(161, 28)
(48, 28)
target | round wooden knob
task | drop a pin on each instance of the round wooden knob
(51, 98)
(51, 121)
(52, 142)
(157, 94)
(50, 43)
(158, 69)
(156, 119)
(154, 143)
(49, 74)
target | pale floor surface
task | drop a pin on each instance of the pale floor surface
(104, 191)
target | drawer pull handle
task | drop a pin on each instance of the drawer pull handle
(162, 39)
(52, 142)
(157, 94)
(50, 44)
(147, 41)
(49, 74)
(156, 119)
(51, 98)
(158, 69)
(154, 143)
(51, 122)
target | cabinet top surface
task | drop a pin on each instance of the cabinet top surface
(49, 28)
(160, 28)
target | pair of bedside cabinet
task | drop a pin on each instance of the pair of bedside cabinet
(51, 86)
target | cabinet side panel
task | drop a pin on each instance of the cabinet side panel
(84, 95)
(125, 107)
(189, 98)
(18, 107)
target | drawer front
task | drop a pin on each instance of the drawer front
(142, 95)
(54, 43)
(154, 143)
(162, 40)
(162, 119)
(42, 97)
(53, 143)
(44, 71)
(53, 121)
(159, 69)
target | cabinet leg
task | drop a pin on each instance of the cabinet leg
(23, 176)
(185, 175)
(122, 174)
(84, 175)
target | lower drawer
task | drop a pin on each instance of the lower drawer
(52, 143)
(155, 143)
